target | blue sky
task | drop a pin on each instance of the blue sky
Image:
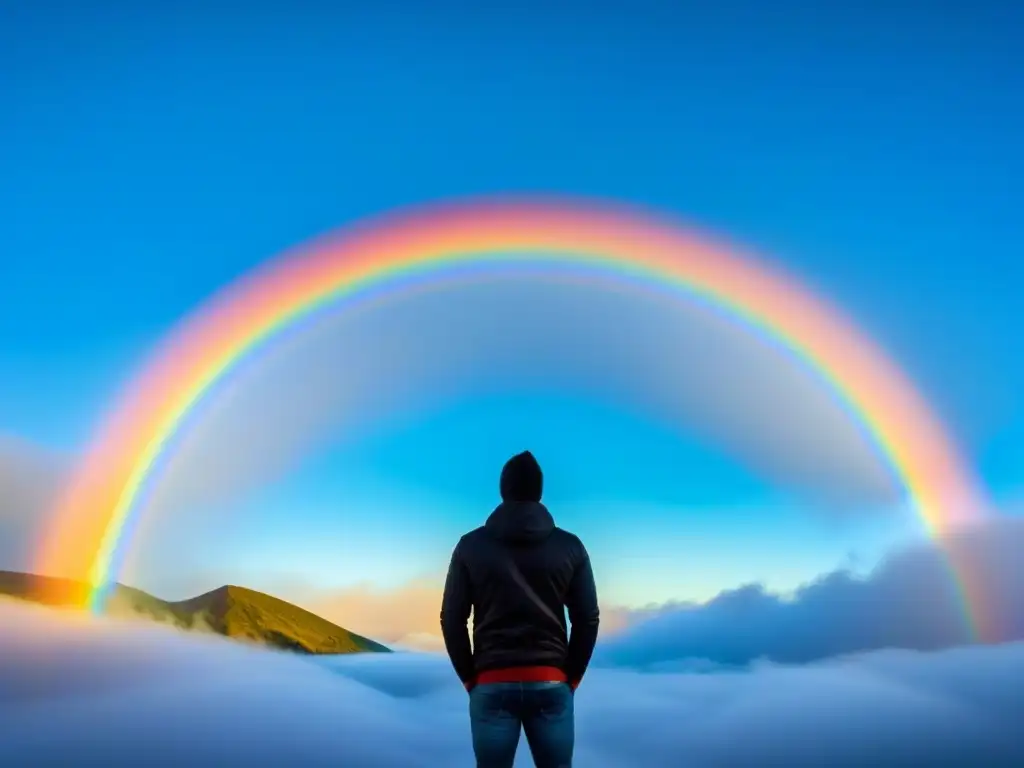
(154, 152)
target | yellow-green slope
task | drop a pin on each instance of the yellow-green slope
(235, 612)
(245, 614)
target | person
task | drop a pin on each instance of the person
(518, 574)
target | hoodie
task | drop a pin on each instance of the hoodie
(518, 574)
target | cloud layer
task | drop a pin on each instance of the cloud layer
(913, 599)
(74, 690)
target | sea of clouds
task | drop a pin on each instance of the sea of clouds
(80, 691)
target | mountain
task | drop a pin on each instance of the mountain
(235, 612)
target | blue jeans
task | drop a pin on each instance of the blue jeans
(497, 712)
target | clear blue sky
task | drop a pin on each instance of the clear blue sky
(152, 152)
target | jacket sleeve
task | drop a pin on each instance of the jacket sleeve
(455, 608)
(584, 615)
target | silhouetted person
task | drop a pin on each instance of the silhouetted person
(519, 573)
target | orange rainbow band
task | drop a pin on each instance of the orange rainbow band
(96, 512)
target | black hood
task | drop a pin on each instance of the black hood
(520, 522)
(522, 479)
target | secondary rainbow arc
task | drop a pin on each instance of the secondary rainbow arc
(93, 515)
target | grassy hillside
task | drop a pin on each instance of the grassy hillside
(249, 615)
(235, 612)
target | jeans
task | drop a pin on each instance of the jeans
(497, 712)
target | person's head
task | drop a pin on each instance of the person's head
(522, 479)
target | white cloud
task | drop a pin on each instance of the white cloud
(913, 599)
(77, 691)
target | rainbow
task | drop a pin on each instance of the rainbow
(96, 513)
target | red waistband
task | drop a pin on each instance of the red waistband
(522, 675)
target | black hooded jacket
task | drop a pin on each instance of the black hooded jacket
(518, 573)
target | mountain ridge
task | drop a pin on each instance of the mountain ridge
(232, 611)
